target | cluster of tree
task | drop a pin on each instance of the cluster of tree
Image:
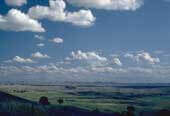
(70, 87)
(20, 91)
(44, 100)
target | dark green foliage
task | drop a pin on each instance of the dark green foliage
(60, 101)
(70, 87)
(44, 100)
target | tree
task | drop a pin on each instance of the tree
(60, 101)
(44, 101)
(130, 111)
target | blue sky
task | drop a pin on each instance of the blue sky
(84, 40)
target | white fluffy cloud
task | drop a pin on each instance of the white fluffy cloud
(15, 2)
(92, 65)
(109, 4)
(15, 20)
(129, 55)
(130, 74)
(147, 57)
(56, 12)
(40, 45)
(22, 60)
(101, 69)
(117, 61)
(79, 55)
(39, 37)
(81, 18)
(39, 55)
(143, 57)
(57, 40)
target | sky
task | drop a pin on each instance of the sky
(123, 41)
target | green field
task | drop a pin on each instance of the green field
(103, 98)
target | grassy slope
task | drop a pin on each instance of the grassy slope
(16, 106)
(104, 99)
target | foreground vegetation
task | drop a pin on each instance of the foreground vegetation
(92, 98)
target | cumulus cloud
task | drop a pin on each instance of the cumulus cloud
(129, 55)
(22, 60)
(7, 70)
(147, 57)
(79, 55)
(80, 64)
(101, 69)
(143, 57)
(15, 2)
(134, 73)
(135, 70)
(39, 37)
(39, 55)
(117, 61)
(81, 18)
(41, 45)
(108, 4)
(56, 12)
(15, 20)
(57, 40)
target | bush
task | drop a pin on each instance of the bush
(60, 101)
(44, 100)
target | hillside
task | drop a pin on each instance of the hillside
(15, 106)
(5, 97)
(11, 105)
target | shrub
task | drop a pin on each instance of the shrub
(60, 101)
(44, 100)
